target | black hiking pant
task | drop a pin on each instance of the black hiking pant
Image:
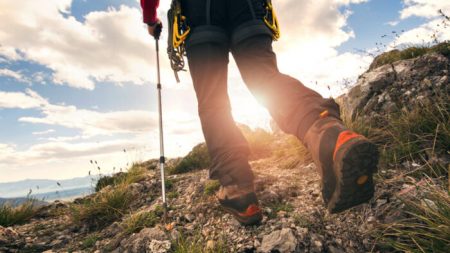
(293, 106)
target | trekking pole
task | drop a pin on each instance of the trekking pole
(162, 159)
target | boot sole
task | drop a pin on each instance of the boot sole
(356, 161)
(246, 221)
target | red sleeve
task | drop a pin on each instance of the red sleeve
(149, 10)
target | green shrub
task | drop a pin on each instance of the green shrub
(442, 48)
(106, 180)
(151, 164)
(279, 206)
(304, 221)
(197, 159)
(169, 183)
(17, 215)
(159, 210)
(173, 195)
(185, 245)
(137, 222)
(103, 208)
(135, 174)
(89, 241)
(409, 53)
(196, 244)
(211, 186)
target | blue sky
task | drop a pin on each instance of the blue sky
(77, 78)
(371, 20)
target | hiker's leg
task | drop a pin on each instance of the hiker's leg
(208, 63)
(292, 105)
(344, 159)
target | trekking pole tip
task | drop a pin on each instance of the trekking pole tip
(165, 212)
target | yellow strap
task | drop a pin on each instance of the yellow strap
(273, 24)
(177, 37)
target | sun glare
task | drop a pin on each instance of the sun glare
(248, 111)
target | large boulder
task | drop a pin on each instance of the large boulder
(152, 240)
(397, 86)
(9, 239)
(280, 241)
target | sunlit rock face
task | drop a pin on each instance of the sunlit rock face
(397, 86)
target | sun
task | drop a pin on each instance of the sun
(247, 110)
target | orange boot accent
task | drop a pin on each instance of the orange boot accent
(343, 138)
(362, 179)
(251, 210)
(324, 114)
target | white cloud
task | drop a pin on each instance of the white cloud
(347, 2)
(61, 150)
(93, 123)
(393, 23)
(311, 31)
(63, 160)
(66, 138)
(109, 45)
(21, 100)
(67, 156)
(424, 34)
(6, 149)
(100, 135)
(435, 30)
(322, 23)
(13, 74)
(66, 159)
(112, 45)
(44, 132)
(424, 8)
(9, 53)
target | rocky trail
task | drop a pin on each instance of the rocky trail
(294, 219)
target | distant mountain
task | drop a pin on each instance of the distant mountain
(17, 201)
(64, 195)
(45, 189)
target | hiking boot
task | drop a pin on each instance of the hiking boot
(345, 160)
(241, 202)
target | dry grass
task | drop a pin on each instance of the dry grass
(135, 174)
(89, 241)
(197, 159)
(289, 152)
(17, 215)
(103, 208)
(139, 221)
(409, 53)
(426, 227)
(211, 187)
(110, 205)
(196, 244)
(417, 135)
